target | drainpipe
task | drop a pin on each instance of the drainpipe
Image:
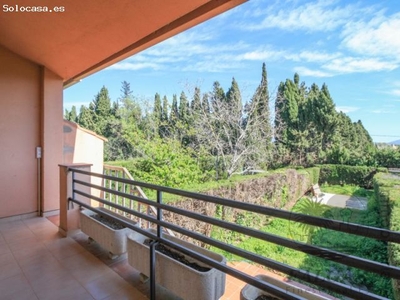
(39, 188)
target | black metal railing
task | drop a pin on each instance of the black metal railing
(327, 254)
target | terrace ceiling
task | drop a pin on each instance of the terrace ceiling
(93, 34)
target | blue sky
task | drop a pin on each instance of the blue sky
(352, 46)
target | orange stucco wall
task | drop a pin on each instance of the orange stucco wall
(19, 134)
(82, 146)
(30, 116)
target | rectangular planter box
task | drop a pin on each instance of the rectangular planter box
(112, 240)
(250, 292)
(176, 277)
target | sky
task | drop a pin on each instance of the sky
(352, 46)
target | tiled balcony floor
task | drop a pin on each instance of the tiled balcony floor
(36, 263)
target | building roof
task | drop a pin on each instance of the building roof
(87, 36)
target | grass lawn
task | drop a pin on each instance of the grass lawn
(342, 242)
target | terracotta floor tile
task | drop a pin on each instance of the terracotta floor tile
(9, 270)
(65, 292)
(6, 258)
(100, 288)
(11, 285)
(129, 293)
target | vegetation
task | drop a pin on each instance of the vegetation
(342, 242)
(224, 134)
(387, 193)
(194, 141)
(355, 175)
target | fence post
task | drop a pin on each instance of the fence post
(159, 214)
(153, 245)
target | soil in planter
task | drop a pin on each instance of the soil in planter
(108, 222)
(177, 256)
(265, 297)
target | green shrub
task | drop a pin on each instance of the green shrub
(165, 163)
(343, 174)
(314, 174)
(387, 193)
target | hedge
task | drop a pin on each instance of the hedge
(314, 174)
(342, 174)
(387, 193)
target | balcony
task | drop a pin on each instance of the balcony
(36, 262)
(115, 191)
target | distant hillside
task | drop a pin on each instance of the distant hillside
(395, 142)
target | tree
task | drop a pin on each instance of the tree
(261, 111)
(157, 109)
(126, 91)
(196, 102)
(102, 103)
(228, 137)
(174, 114)
(205, 104)
(164, 128)
(71, 115)
(217, 95)
(86, 118)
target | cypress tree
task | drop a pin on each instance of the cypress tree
(196, 102)
(234, 98)
(206, 104)
(217, 96)
(157, 109)
(183, 109)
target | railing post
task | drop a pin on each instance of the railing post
(153, 245)
(159, 214)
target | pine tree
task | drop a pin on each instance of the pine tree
(86, 119)
(71, 115)
(102, 103)
(126, 91)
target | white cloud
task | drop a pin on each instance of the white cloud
(313, 16)
(347, 65)
(383, 111)
(346, 109)
(315, 56)
(265, 54)
(303, 71)
(395, 92)
(134, 66)
(377, 37)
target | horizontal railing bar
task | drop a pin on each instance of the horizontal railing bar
(300, 274)
(361, 230)
(344, 259)
(220, 266)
